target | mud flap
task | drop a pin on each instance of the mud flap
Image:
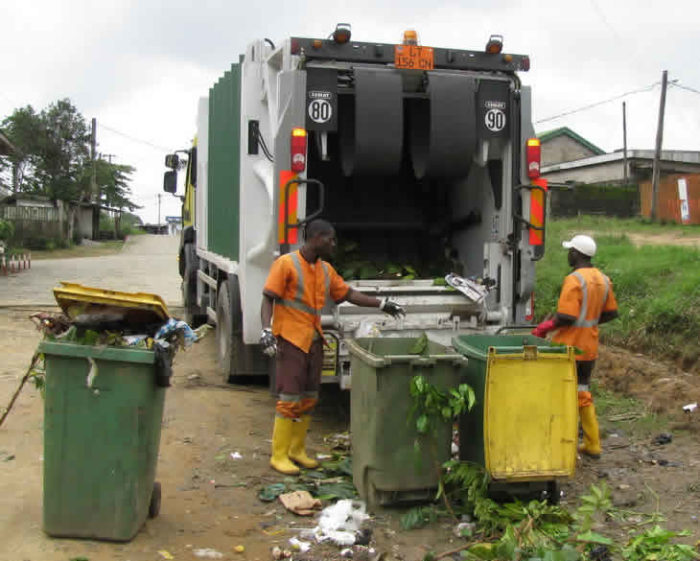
(371, 130)
(443, 130)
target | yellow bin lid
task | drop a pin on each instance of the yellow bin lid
(139, 307)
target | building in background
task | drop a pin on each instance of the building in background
(564, 145)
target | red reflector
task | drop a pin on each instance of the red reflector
(295, 47)
(298, 150)
(525, 63)
(289, 207)
(532, 157)
(537, 210)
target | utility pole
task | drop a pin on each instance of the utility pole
(108, 156)
(624, 137)
(93, 147)
(159, 196)
(656, 173)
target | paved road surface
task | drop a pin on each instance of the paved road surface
(147, 263)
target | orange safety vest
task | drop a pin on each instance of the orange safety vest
(585, 295)
(302, 290)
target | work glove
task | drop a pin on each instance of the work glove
(391, 308)
(543, 328)
(268, 342)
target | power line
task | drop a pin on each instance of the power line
(135, 139)
(597, 103)
(688, 88)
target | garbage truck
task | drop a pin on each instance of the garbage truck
(423, 158)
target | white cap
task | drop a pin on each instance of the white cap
(582, 244)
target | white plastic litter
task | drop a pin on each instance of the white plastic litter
(367, 328)
(474, 291)
(339, 522)
(303, 546)
(236, 455)
(690, 407)
(208, 553)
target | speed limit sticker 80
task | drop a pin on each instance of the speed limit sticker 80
(495, 120)
(320, 110)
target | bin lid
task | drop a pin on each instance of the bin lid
(92, 306)
(477, 346)
(379, 352)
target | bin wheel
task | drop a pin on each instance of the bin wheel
(553, 492)
(371, 496)
(154, 506)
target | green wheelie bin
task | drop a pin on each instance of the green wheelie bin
(102, 424)
(388, 468)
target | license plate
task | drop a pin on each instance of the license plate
(414, 57)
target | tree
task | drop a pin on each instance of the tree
(113, 183)
(24, 128)
(64, 152)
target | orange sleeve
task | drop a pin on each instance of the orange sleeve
(570, 297)
(339, 288)
(277, 277)
(610, 305)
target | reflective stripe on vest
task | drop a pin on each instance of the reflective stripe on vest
(581, 321)
(297, 302)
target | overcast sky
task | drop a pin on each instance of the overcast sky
(139, 66)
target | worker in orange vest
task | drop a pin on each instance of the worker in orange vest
(297, 288)
(586, 300)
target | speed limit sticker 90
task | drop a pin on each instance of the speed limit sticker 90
(495, 120)
(320, 110)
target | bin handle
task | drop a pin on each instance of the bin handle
(368, 357)
(515, 327)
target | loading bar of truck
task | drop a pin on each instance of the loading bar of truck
(383, 53)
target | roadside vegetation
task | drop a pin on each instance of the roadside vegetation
(657, 286)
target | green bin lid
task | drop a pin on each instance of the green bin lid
(477, 346)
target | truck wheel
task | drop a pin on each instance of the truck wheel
(193, 313)
(236, 359)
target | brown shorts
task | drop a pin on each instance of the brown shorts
(298, 373)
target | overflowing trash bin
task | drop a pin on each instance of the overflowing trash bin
(104, 395)
(388, 467)
(523, 427)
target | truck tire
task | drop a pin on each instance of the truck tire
(236, 359)
(194, 315)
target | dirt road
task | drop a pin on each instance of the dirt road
(147, 263)
(210, 499)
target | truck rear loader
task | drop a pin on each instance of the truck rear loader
(424, 159)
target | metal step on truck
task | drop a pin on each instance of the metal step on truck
(423, 158)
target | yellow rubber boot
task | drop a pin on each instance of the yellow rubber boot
(297, 448)
(281, 438)
(591, 432)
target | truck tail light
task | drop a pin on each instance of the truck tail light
(530, 308)
(533, 153)
(537, 210)
(298, 151)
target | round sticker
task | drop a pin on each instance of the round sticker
(495, 120)
(320, 110)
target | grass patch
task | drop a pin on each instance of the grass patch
(103, 248)
(657, 287)
(627, 414)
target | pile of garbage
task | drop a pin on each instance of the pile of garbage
(106, 318)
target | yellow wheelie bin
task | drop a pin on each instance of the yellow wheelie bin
(523, 428)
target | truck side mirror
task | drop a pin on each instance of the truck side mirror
(172, 161)
(170, 182)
